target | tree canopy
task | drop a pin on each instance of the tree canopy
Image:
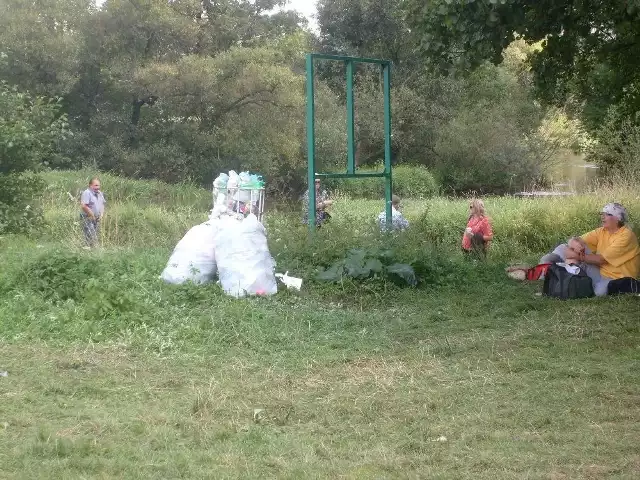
(589, 56)
(184, 89)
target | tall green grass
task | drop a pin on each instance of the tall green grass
(148, 213)
(115, 374)
(119, 189)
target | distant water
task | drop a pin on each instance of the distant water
(574, 175)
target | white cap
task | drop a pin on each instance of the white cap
(616, 210)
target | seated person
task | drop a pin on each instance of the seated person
(322, 202)
(398, 222)
(613, 249)
(575, 249)
(479, 233)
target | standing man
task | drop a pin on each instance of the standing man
(92, 203)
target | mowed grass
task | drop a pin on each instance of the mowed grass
(473, 376)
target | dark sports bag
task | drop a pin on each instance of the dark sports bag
(561, 284)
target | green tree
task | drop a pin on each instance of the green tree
(617, 150)
(30, 128)
(589, 55)
(40, 41)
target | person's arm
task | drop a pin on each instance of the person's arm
(590, 240)
(325, 200)
(573, 255)
(84, 204)
(487, 233)
(615, 254)
(591, 258)
(400, 222)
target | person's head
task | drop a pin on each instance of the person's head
(317, 183)
(613, 216)
(575, 244)
(94, 184)
(395, 202)
(476, 208)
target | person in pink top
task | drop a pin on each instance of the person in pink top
(478, 234)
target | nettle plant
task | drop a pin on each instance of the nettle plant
(362, 264)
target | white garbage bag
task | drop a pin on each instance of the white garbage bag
(245, 266)
(194, 257)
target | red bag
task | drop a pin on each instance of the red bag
(534, 273)
(528, 273)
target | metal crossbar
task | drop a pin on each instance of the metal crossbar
(351, 149)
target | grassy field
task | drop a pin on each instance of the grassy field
(113, 374)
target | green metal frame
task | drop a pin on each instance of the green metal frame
(351, 149)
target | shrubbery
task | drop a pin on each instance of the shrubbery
(410, 181)
(20, 202)
(29, 129)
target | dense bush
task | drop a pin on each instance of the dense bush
(30, 127)
(617, 151)
(410, 181)
(20, 202)
(109, 287)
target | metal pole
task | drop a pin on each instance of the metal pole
(387, 141)
(351, 149)
(311, 145)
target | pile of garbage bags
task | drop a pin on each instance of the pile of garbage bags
(240, 193)
(230, 245)
(194, 257)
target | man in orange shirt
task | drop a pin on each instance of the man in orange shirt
(614, 249)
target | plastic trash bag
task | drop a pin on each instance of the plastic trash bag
(193, 258)
(220, 190)
(291, 282)
(245, 266)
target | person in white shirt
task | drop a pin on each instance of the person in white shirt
(398, 222)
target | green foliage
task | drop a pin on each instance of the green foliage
(409, 181)
(124, 190)
(414, 182)
(40, 43)
(20, 202)
(476, 133)
(591, 63)
(498, 153)
(493, 159)
(107, 289)
(360, 264)
(182, 90)
(151, 213)
(617, 151)
(60, 275)
(29, 130)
